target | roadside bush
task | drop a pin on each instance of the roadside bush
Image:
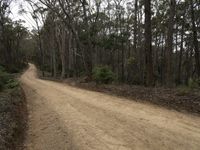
(5, 77)
(12, 84)
(2, 68)
(7, 80)
(194, 83)
(14, 69)
(131, 61)
(103, 74)
(13, 117)
(17, 68)
(1, 85)
(183, 90)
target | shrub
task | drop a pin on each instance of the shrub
(131, 61)
(13, 69)
(103, 74)
(1, 85)
(6, 80)
(193, 83)
(2, 68)
(198, 81)
(183, 90)
(5, 77)
(12, 84)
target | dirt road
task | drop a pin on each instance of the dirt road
(62, 117)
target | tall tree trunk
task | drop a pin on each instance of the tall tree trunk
(141, 49)
(195, 41)
(169, 45)
(88, 48)
(122, 63)
(54, 63)
(187, 64)
(53, 51)
(181, 52)
(148, 44)
(163, 59)
(41, 52)
(62, 53)
(176, 61)
(135, 27)
(61, 40)
(118, 63)
(70, 54)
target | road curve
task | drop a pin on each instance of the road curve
(62, 117)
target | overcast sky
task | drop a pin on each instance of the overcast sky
(17, 5)
(15, 15)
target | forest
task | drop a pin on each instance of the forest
(99, 74)
(151, 42)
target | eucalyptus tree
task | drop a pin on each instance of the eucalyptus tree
(12, 34)
(148, 44)
(169, 45)
(143, 42)
(195, 38)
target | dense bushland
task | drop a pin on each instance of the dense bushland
(13, 59)
(151, 42)
(7, 80)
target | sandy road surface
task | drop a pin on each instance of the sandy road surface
(67, 118)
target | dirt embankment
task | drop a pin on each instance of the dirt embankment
(13, 116)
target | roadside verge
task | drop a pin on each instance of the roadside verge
(13, 118)
(175, 98)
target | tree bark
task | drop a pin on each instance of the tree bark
(88, 47)
(169, 46)
(135, 27)
(148, 44)
(61, 40)
(195, 41)
(62, 54)
(181, 52)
